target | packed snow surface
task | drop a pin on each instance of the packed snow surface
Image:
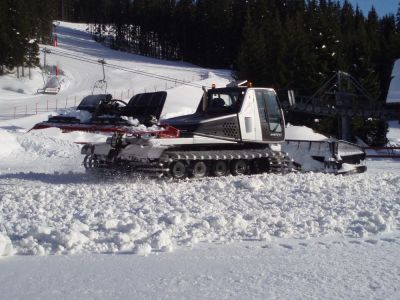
(285, 269)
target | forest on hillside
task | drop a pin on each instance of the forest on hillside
(287, 44)
(23, 25)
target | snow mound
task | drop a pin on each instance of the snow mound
(302, 133)
(9, 144)
(132, 215)
(394, 88)
(394, 132)
(6, 247)
(47, 143)
(11, 86)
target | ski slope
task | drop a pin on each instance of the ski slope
(65, 234)
(80, 75)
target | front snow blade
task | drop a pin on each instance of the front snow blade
(352, 170)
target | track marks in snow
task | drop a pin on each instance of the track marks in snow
(327, 243)
(288, 247)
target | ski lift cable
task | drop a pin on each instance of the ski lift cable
(97, 62)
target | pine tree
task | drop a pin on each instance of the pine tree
(24, 23)
(5, 50)
(183, 24)
(252, 54)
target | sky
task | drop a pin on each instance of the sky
(383, 7)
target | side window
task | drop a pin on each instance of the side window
(221, 100)
(269, 110)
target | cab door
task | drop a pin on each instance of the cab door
(271, 120)
(248, 117)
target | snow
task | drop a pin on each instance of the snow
(11, 88)
(82, 115)
(184, 100)
(302, 133)
(114, 215)
(284, 269)
(6, 247)
(394, 132)
(69, 234)
(394, 88)
(10, 140)
(80, 78)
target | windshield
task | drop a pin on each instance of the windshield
(224, 100)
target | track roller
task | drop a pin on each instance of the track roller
(178, 170)
(239, 167)
(199, 169)
(220, 168)
(91, 162)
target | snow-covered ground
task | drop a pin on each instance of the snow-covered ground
(65, 234)
(285, 269)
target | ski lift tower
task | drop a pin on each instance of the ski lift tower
(342, 96)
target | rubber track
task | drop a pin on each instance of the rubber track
(279, 162)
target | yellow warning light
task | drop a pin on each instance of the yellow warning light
(213, 86)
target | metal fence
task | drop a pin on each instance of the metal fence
(54, 104)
